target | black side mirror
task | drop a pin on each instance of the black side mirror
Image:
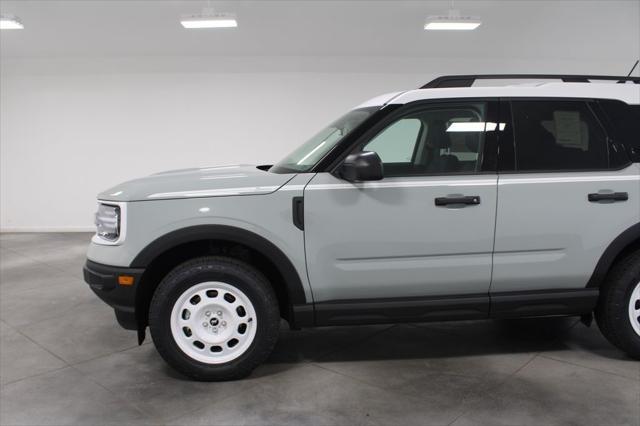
(361, 166)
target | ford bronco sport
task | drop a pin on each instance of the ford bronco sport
(452, 201)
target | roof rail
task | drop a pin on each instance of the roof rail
(468, 80)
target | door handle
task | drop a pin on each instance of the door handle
(608, 196)
(468, 200)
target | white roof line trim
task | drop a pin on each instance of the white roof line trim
(568, 179)
(253, 190)
(501, 180)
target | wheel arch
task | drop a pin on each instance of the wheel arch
(626, 242)
(175, 247)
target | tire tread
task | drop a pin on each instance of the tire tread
(201, 371)
(612, 309)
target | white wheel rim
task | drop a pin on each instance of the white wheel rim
(634, 309)
(213, 322)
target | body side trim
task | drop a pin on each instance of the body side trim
(478, 181)
(507, 180)
(248, 190)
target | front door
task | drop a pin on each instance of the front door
(426, 230)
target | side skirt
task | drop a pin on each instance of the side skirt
(380, 311)
(544, 303)
(567, 302)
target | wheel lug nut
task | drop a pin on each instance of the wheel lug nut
(205, 324)
(208, 313)
(219, 313)
(224, 323)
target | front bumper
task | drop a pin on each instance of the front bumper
(103, 280)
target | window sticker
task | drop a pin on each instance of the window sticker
(568, 130)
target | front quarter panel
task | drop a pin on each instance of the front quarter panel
(269, 216)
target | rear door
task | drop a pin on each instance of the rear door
(565, 191)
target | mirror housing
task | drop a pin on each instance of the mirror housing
(362, 166)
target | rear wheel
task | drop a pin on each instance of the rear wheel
(214, 318)
(618, 310)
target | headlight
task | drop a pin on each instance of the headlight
(108, 222)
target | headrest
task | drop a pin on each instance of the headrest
(437, 135)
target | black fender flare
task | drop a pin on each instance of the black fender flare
(231, 234)
(617, 246)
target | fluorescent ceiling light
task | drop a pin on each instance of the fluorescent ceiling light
(448, 24)
(9, 22)
(220, 20)
(452, 21)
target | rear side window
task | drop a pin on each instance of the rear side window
(625, 120)
(558, 136)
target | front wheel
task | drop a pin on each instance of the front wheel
(618, 310)
(214, 318)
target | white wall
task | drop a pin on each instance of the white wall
(73, 127)
(94, 93)
(64, 137)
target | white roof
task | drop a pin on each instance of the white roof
(629, 93)
(379, 100)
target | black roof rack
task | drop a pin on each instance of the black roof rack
(468, 80)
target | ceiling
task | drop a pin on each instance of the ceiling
(533, 29)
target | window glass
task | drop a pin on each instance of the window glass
(557, 135)
(626, 122)
(311, 152)
(397, 142)
(434, 140)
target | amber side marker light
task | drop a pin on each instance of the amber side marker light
(125, 280)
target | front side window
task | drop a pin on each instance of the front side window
(557, 136)
(310, 153)
(434, 140)
(397, 142)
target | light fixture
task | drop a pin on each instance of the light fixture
(209, 19)
(445, 23)
(452, 21)
(10, 22)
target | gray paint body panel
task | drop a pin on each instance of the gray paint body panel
(268, 216)
(204, 182)
(388, 239)
(549, 236)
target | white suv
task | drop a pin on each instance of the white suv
(441, 203)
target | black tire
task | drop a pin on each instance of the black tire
(612, 312)
(232, 272)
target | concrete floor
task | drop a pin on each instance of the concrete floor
(64, 360)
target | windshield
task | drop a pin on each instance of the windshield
(308, 154)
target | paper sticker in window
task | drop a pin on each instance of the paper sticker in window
(568, 130)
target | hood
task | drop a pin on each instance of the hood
(204, 182)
